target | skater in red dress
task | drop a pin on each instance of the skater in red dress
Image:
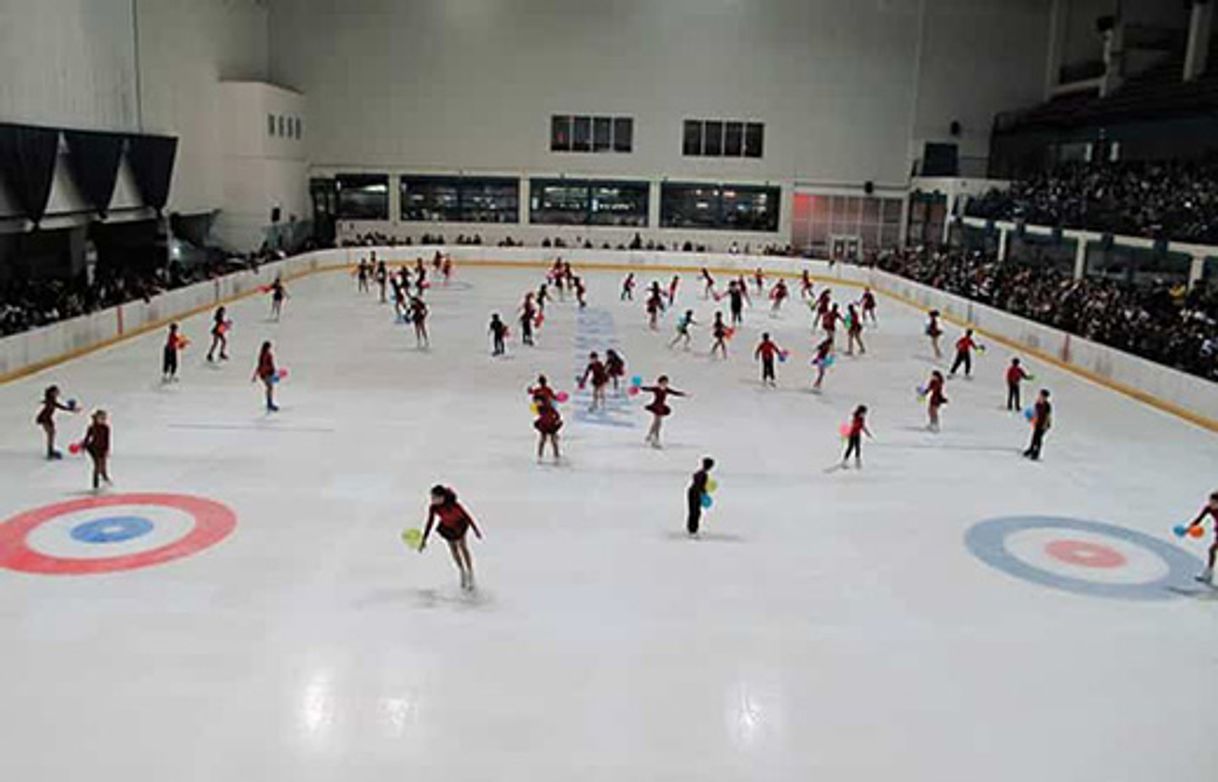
(453, 524)
(418, 316)
(174, 342)
(446, 269)
(655, 306)
(615, 365)
(778, 295)
(823, 302)
(549, 421)
(559, 278)
(219, 335)
(854, 438)
(868, 302)
(543, 295)
(1211, 510)
(720, 332)
(822, 359)
(627, 288)
(708, 283)
(577, 284)
(935, 399)
(805, 285)
(596, 372)
(828, 322)
(46, 417)
(266, 372)
(528, 319)
(854, 331)
(658, 408)
(759, 280)
(672, 289)
(934, 331)
(97, 445)
(1015, 376)
(767, 351)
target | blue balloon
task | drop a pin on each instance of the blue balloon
(1180, 530)
(1029, 414)
(637, 380)
(829, 360)
(706, 500)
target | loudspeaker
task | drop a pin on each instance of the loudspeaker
(955, 127)
(869, 187)
(275, 214)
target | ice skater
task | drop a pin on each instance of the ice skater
(615, 365)
(708, 283)
(683, 325)
(658, 407)
(174, 342)
(418, 316)
(627, 288)
(736, 294)
(278, 294)
(543, 295)
(498, 331)
(868, 302)
(828, 323)
(219, 335)
(596, 372)
(1042, 421)
(766, 352)
(935, 399)
(581, 293)
(854, 331)
(453, 524)
(672, 289)
(361, 275)
(382, 280)
(528, 318)
(854, 438)
(805, 285)
(1211, 509)
(759, 280)
(964, 353)
(822, 360)
(778, 294)
(97, 445)
(720, 332)
(46, 417)
(548, 421)
(268, 374)
(1016, 374)
(655, 306)
(446, 269)
(934, 331)
(698, 488)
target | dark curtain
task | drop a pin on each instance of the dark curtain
(27, 166)
(93, 159)
(151, 159)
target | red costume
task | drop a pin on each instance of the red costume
(658, 406)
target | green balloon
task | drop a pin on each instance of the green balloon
(412, 538)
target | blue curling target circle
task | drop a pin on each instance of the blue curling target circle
(1083, 557)
(112, 529)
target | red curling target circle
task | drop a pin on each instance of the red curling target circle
(211, 522)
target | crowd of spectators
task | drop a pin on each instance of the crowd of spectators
(27, 303)
(1171, 200)
(378, 239)
(1162, 322)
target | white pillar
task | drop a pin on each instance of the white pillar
(1114, 59)
(1197, 270)
(1200, 26)
(1003, 236)
(1058, 23)
(1080, 258)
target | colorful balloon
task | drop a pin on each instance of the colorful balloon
(844, 430)
(1196, 531)
(74, 448)
(637, 380)
(711, 484)
(562, 396)
(706, 500)
(413, 538)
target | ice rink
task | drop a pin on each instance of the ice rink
(837, 625)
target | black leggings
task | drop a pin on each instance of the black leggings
(1013, 397)
(963, 359)
(767, 369)
(1038, 440)
(694, 501)
(169, 362)
(854, 446)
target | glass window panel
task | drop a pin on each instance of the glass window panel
(558, 201)
(712, 144)
(430, 199)
(689, 206)
(691, 143)
(602, 134)
(753, 135)
(871, 210)
(750, 208)
(282, 126)
(270, 124)
(560, 133)
(581, 136)
(619, 203)
(623, 134)
(363, 196)
(733, 139)
(892, 210)
(494, 200)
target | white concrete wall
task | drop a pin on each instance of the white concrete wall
(1164, 387)
(261, 170)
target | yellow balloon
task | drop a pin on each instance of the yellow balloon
(412, 538)
(534, 408)
(712, 484)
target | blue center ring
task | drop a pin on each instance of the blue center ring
(112, 529)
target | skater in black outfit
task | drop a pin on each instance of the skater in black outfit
(1042, 420)
(693, 495)
(498, 333)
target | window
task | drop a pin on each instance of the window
(727, 207)
(283, 132)
(583, 202)
(270, 124)
(722, 138)
(591, 134)
(816, 219)
(460, 199)
(363, 196)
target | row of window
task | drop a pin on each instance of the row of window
(591, 134)
(700, 138)
(283, 126)
(560, 202)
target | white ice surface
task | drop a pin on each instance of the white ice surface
(829, 625)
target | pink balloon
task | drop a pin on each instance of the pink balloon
(562, 396)
(283, 372)
(844, 430)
